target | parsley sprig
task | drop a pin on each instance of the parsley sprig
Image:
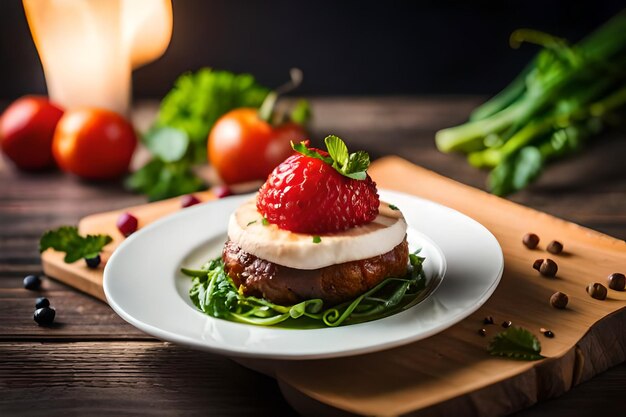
(67, 239)
(352, 165)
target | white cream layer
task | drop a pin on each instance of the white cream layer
(297, 250)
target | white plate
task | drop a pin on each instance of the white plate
(143, 284)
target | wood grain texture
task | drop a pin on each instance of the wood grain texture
(587, 189)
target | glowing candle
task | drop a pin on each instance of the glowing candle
(88, 48)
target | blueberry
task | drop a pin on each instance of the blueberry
(32, 282)
(93, 262)
(42, 302)
(44, 316)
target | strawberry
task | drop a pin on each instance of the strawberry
(317, 192)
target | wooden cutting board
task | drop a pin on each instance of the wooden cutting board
(451, 373)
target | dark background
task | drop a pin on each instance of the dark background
(344, 47)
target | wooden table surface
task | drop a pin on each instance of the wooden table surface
(93, 363)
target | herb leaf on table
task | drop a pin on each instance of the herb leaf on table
(516, 343)
(67, 239)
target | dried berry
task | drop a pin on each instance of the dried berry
(44, 316)
(548, 268)
(488, 320)
(93, 262)
(507, 324)
(127, 224)
(189, 200)
(530, 240)
(32, 282)
(221, 191)
(617, 281)
(537, 264)
(559, 300)
(42, 302)
(597, 291)
(555, 247)
(482, 332)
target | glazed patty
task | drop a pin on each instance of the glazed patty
(333, 284)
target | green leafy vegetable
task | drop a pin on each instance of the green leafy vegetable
(317, 239)
(351, 165)
(516, 343)
(565, 96)
(214, 293)
(178, 138)
(66, 239)
(393, 207)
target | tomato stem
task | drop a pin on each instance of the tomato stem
(266, 110)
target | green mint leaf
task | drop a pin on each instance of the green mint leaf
(167, 143)
(317, 239)
(358, 163)
(393, 207)
(301, 112)
(265, 222)
(251, 223)
(66, 239)
(516, 343)
(338, 151)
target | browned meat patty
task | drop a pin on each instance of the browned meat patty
(333, 284)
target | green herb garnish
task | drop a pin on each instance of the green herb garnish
(393, 207)
(516, 343)
(352, 165)
(317, 239)
(265, 222)
(215, 294)
(66, 239)
(251, 223)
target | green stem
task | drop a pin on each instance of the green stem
(266, 110)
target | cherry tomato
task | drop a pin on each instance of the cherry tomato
(26, 130)
(243, 147)
(94, 144)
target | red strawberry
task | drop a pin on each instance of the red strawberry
(306, 194)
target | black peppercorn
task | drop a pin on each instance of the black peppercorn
(548, 268)
(555, 247)
(597, 291)
(548, 333)
(488, 320)
(617, 281)
(507, 324)
(482, 332)
(530, 240)
(559, 300)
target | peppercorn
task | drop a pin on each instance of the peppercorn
(559, 300)
(548, 333)
(488, 320)
(597, 291)
(617, 281)
(530, 240)
(555, 247)
(507, 324)
(548, 268)
(482, 332)
(537, 264)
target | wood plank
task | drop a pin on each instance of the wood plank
(129, 378)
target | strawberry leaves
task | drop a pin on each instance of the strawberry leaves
(351, 165)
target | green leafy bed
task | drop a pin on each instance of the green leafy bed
(215, 294)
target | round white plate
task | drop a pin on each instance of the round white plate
(143, 284)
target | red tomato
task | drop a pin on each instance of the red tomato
(242, 147)
(26, 130)
(95, 144)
